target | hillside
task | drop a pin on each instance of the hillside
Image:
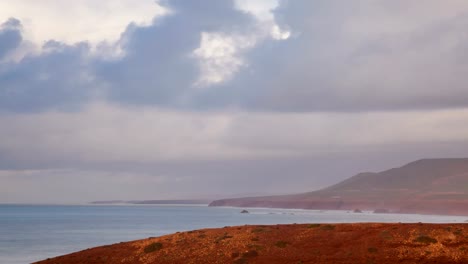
(429, 186)
(306, 243)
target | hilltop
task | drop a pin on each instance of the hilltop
(428, 186)
(306, 243)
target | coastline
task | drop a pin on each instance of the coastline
(460, 209)
(66, 229)
(350, 211)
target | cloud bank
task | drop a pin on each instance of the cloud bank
(225, 95)
(365, 56)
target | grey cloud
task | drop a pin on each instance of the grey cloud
(198, 179)
(107, 134)
(342, 57)
(158, 67)
(57, 78)
(356, 56)
(10, 36)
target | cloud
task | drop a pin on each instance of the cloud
(162, 62)
(262, 56)
(222, 55)
(360, 56)
(263, 10)
(343, 58)
(10, 36)
(103, 133)
(60, 77)
(157, 66)
(107, 133)
(107, 151)
(77, 21)
(209, 93)
(198, 45)
(220, 58)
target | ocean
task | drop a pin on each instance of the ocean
(31, 233)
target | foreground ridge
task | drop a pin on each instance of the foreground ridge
(297, 243)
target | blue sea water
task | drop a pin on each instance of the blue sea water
(30, 233)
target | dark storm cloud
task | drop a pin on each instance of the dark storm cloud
(10, 36)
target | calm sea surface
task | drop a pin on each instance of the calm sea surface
(31, 233)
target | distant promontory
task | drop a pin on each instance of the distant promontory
(160, 202)
(427, 186)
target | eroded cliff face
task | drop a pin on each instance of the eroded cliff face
(432, 186)
(305, 243)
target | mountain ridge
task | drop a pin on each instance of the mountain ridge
(429, 186)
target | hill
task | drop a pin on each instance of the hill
(309, 243)
(428, 186)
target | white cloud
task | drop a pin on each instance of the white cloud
(279, 34)
(221, 53)
(263, 11)
(75, 21)
(220, 56)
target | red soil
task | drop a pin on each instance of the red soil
(305, 243)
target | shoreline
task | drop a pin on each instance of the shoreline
(91, 226)
(370, 212)
(398, 212)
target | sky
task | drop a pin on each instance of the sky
(174, 99)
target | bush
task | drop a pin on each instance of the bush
(386, 235)
(250, 254)
(153, 247)
(425, 240)
(240, 261)
(223, 237)
(328, 227)
(258, 230)
(281, 244)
